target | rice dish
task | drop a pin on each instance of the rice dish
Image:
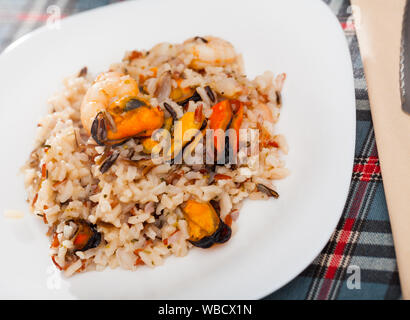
(154, 156)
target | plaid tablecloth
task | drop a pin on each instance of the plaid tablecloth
(362, 244)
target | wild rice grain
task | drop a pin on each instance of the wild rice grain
(210, 93)
(109, 162)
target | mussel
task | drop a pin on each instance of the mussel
(186, 129)
(205, 225)
(226, 115)
(127, 118)
(86, 236)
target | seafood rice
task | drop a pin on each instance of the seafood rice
(154, 156)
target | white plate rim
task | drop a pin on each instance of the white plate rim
(325, 236)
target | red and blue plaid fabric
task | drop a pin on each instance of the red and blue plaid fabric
(362, 238)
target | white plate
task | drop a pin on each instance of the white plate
(276, 240)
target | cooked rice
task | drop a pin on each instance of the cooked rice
(139, 217)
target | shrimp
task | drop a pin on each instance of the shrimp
(113, 110)
(209, 51)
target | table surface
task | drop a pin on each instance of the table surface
(359, 260)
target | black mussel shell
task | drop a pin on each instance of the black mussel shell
(195, 97)
(99, 129)
(221, 235)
